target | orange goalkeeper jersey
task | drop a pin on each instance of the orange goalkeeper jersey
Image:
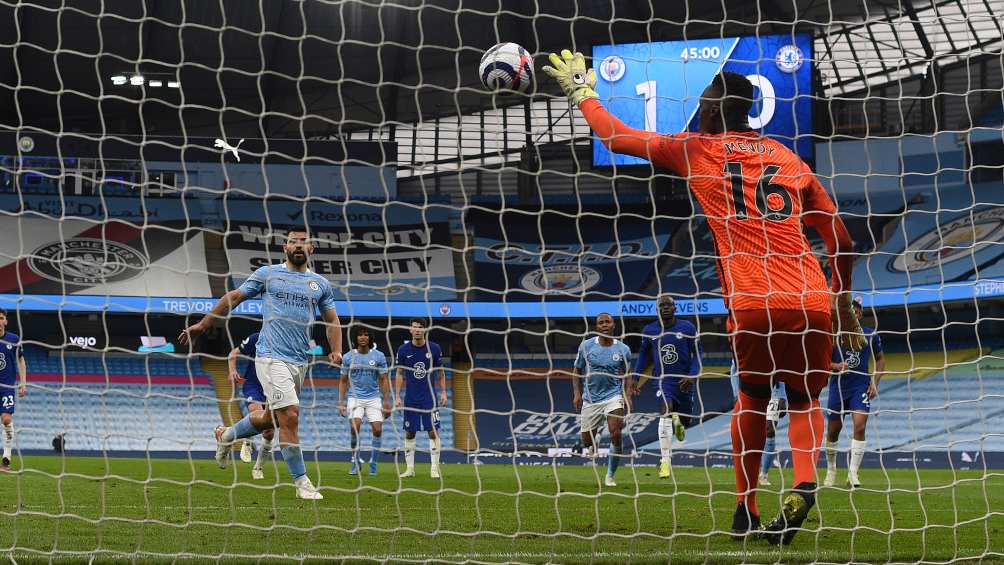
(755, 193)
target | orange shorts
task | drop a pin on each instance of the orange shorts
(790, 346)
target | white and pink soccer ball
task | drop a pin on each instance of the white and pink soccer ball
(506, 68)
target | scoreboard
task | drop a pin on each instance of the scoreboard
(657, 86)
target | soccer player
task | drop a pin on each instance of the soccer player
(602, 362)
(755, 194)
(12, 367)
(671, 347)
(852, 388)
(776, 409)
(364, 384)
(291, 295)
(254, 398)
(416, 361)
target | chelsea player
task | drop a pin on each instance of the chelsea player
(602, 362)
(364, 394)
(416, 361)
(12, 367)
(852, 389)
(254, 398)
(671, 347)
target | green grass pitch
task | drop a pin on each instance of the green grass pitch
(159, 510)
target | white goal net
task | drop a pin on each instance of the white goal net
(156, 154)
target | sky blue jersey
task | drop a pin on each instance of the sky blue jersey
(364, 370)
(602, 368)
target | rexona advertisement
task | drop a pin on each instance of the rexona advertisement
(93, 246)
(390, 251)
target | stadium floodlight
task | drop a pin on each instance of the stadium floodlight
(136, 80)
(119, 80)
(173, 84)
(156, 83)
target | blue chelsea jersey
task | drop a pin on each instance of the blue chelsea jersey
(418, 364)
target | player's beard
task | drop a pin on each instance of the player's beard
(297, 259)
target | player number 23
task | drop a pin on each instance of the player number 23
(7, 401)
(768, 196)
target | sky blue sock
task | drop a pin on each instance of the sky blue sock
(241, 429)
(613, 459)
(293, 457)
(768, 455)
(375, 451)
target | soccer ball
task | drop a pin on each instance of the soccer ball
(506, 68)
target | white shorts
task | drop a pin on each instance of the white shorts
(280, 380)
(594, 414)
(369, 408)
(774, 410)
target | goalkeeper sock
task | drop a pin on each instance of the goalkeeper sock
(8, 439)
(434, 448)
(266, 447)
(749, 432)
(613, 459)
(831, 456)
(665, 435)
(294, 461)
(375, 450)
(769, 453)
(240, 430)
(805, 434)
(409, 453)
(857, 454)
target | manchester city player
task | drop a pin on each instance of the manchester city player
(291, 295)
(852, 388)
(602, 362)
(366, 389)
(254, 398)
(416, 361)
(12, 366)
(671, 347)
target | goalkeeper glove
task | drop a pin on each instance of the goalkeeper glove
(573, 77)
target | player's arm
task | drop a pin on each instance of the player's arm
(343, 388)
(235, 377)
(576, 371)
(642, 363)
(22, 370)
(879, 366)
(695, 365)
(223, 307)
(820, 213)
(332, 327)
(398, 385)
(443, 398)
(838, 367)
(385, 391)
(578, 82)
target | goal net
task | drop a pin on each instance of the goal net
(154, 155)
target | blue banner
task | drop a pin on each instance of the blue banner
(133, 210)
(534, 414)
(657, 86)
(562, 257)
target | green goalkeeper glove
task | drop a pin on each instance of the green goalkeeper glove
(573, 77)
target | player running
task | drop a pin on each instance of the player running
(416, 360)
(254, 399)
(755, 194)
(365, 385)
(603, 363)
(671, 347)
(291, 295)
(852, 388)
(12, 366)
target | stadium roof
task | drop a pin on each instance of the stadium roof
(278, 68)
